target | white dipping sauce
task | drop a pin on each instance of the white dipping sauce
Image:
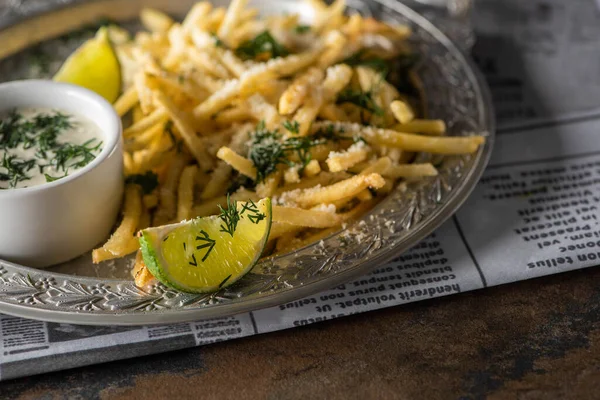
(40, 145)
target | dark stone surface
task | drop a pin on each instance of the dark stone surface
(538, 339)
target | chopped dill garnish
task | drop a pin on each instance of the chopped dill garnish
(251, 210)
(208, 243)
(148, 181)
(230, 217)
(268, 150)
(40, 132)
(68, 155)
(261, 45)
(362, 99)
(52, 178)
(302, 29)
(359, 59)
(292, 126)
(16, 169)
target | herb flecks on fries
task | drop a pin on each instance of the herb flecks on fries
(322, 117)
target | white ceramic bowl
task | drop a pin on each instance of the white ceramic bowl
(57, 221)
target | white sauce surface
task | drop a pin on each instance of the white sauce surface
(82, 130)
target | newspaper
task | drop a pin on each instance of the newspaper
(534, 213)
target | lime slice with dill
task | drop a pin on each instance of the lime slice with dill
(94, 66)
(206, 254)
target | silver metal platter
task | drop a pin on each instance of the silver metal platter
(37, 36)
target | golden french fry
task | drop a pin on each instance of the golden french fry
(402, 111)
(123, 241)
(211, 207)
(434, 127)
(268, 187)
(217, 184)
(299, 89)
(167, 206)
(341, 161)
(346, 188)
(185, 192)
(241, 164)
(157, 117)
(408, 141)
(231, 20)
(307, 218)
(155, 21)
(126, 101)
(410, 171)
(313, 168)
(141, 274)
(185, 127)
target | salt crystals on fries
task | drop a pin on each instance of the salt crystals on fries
(231, 103)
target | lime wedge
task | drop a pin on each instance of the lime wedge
(94, 65)
(210, 253)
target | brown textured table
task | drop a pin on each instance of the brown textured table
(538, 339)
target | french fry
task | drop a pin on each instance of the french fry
(346, 188)
(123, 241)
(141, 274)
(410, 171)
(126, 101)
(291, 175)
(193, 142)
(402, 111)
(278, 229)
(155, 21)
(299, 89)
(197, 13)
(323, 179)
(231, 20)
(411, 142)
(334, 51)
(233, 115)
(212, 207)
(157, 117)
(433, 127)
(217, 184)
(307, 218)
(239, 163)
(167, 206)
(185, 192)
(261, 110)
(332, 112)
(342, 161)
(312, 168)
(268, 187)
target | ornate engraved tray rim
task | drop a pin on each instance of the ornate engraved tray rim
(50, 296)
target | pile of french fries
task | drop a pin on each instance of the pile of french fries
(196, 104)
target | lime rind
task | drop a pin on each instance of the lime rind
(152, 248)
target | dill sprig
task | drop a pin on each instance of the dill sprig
(251, 210)
(16, 169)
(292, 126)
(207, 241)
(268, 150)
(361, 99)
(360, 58)
(262, 44)
(68, 155)
(230, 217)
(301, 29)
